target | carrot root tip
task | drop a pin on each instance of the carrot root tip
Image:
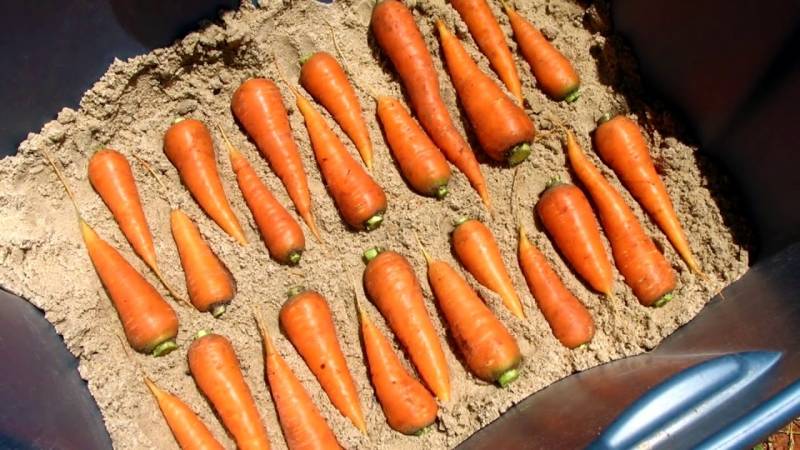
(507, 377)
(371, 253)
(294, 290)
(202, 333)
(164, 348)
(373, 222)
(572, 96)
(294, 258)
(604, 118)
(663, 300)
(441, 192)
(218, 310)
(518, 154)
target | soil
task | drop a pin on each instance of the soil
(42, 256)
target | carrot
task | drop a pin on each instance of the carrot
(391, 284)
(567, 216)
(569, 320)
(409, 407)
(396, 33)
(421, 162)
(307, 321)
(149, 322)
(621, 145)
(502, 127)
(644, 268)
(215, 369)
(281, 233)
(484, 28)
(188, 146)
(490, 351)
(361, 202)
(477, 250)
(553, 72)
(258, 106)
(303, 426)
(323, 78)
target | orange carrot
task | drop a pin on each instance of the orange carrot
(361, 202)
(420, 161)
(397, 34)
(188, 146)
(323, 78)
(215, 368)
(307, 321)
(567, 216)
(303, 426)
(281, 233)
(619, 141)
(569, 320)
(390, 283)
(409, 407)
(484, 28)
(645, 269)
(149, 322)
(491, 352)
(554, 73)
(502, 127)
(258, 106)
(477, 250)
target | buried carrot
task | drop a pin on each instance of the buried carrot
(302, 424)
(281, 233)
(149, 322)
(188, 145)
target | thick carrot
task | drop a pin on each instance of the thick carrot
(484, 28)
(391, 284)
(420, 161)
(361, 202)
(323, 78)
(190, 432)
(307, 321)
(619, 141)
(149, 322)
(491, 352)
(502, 127)
(567, 216)
(303, 426)
(281, 233)
(645, 269)
(215, 368)
(397, 34)
(553, 72)
(477, 250)
(258, 106)
(569, 320)
(189, 147)
(409, 407)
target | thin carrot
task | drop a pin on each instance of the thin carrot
(210, 284)
(569, 320)
(484, 28)
(553, 72)
(361, 202)
(258, 106)
(281, 233)
(409, 407)
(323, 78)
(307, 321)
(491, 352)
(215, 369)
(502, 127)
(420, 161)
(189, 147)
(477, 250)
(397, 34)
(621, 145)
(390, 283)
(645, 269)
(303, 426)
(567, 216)
(149, 322)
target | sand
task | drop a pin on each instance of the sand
(42, 257)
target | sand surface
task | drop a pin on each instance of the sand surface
(42, 256)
